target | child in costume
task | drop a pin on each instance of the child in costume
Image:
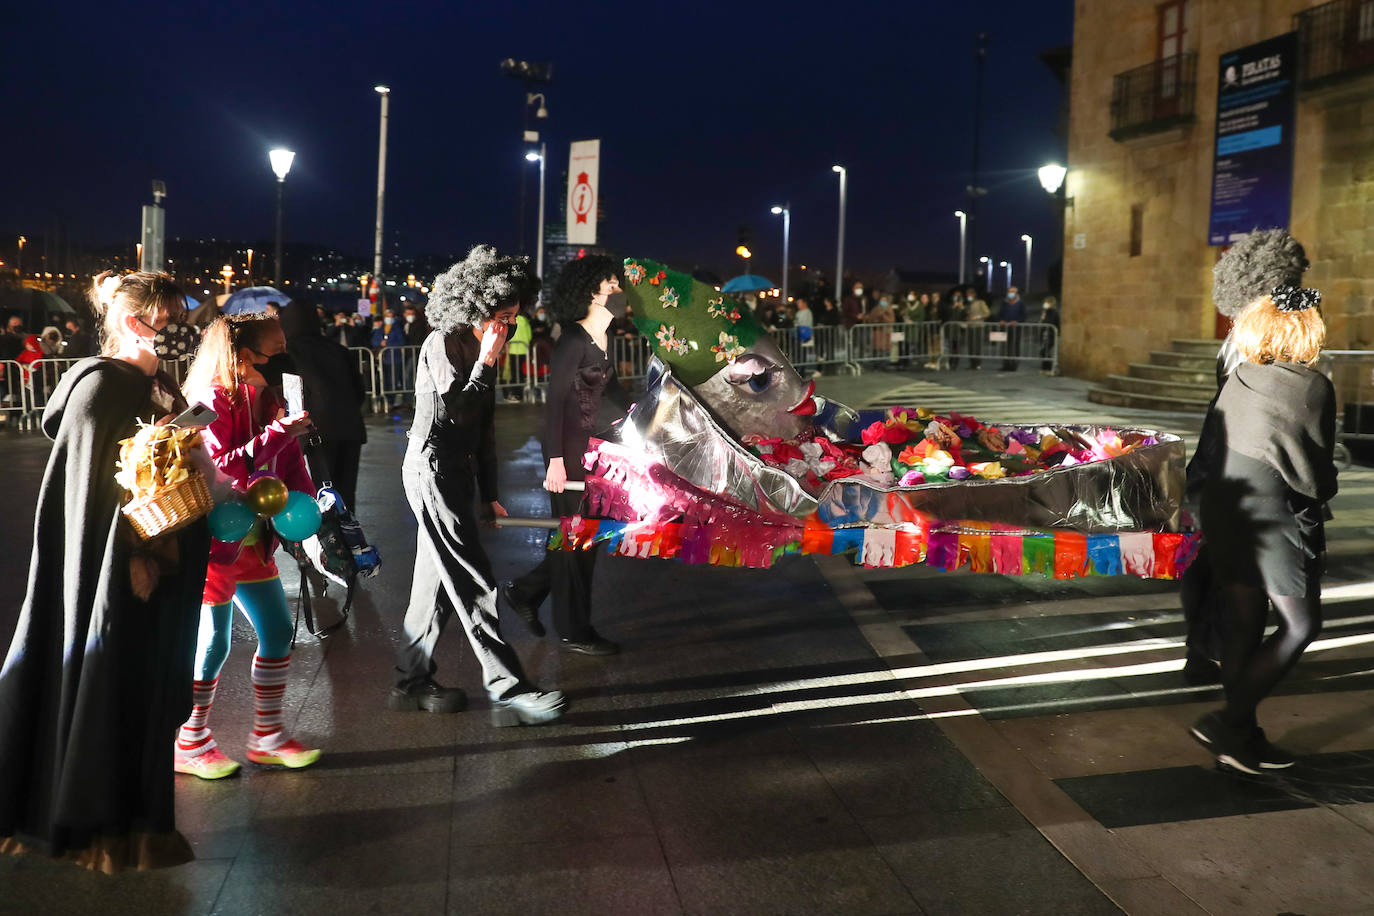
(97, 676)
(453, 446)
(250, 434)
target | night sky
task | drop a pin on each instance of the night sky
(708, 114)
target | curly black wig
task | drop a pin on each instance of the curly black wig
(472, 290)
(1253, 266)
(578, 282)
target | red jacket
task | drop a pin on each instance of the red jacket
(246, 437)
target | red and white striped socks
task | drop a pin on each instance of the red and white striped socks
(194, 738)
(269, 690)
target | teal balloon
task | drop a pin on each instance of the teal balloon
(231, 521)
(300, 518)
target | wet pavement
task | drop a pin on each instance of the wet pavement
(814, 738)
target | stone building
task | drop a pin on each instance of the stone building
(1142, 129)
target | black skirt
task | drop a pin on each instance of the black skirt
(1259, 532)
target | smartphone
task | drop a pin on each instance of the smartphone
(294, 389)
(195, 415)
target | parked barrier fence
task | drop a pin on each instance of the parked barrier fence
(997, 345)
(14, 394)
(1352, 375)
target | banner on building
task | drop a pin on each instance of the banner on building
(584, 188)
(1252, 170)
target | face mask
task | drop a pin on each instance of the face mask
(388, 322)
(858, 290)
(274, 367)
(910, 298)
(1012, 297)
(410, 319)
(539, 316)
(617, 304)
(175, 341)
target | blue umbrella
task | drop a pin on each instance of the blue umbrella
(252, 299)
(746, 283)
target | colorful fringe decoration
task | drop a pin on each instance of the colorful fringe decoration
(978, 546)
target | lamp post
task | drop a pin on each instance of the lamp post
(1052, 180)
(385, 93)
(1027, 280)
(227, 272)
(250, 267)
(963, 238)
(281, 160)
(542, 159)
(987, 271)
(786, 211)
(1007, 265)
(839, 248)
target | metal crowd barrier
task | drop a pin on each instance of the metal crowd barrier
(14, 394)
(40, 381)
(899, 344)
(999, 345)
(825, 346)
(631, 356)
(394, 374)
(367, 368)
(1352, 374)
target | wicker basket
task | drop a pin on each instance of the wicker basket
(172, 508)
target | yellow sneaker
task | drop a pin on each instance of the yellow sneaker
(210, 765)
(292, 755)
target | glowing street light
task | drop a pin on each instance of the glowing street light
(987, 271)
(385, 93)
(281, 160)
(1027, 281)
(227, 272)
(786, 211)
(963, 238)
(540, 158)
(250, 267)
(1007, 265)
(1052, 176)
(839, 247)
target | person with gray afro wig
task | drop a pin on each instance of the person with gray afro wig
(1253, 266)
(471, 291)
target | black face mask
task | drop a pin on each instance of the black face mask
(272, 370)
(174, 341)
(617, 304)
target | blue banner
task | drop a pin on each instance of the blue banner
(1252, 169)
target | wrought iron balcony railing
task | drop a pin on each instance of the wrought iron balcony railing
(1335, 42)
(1154, 97)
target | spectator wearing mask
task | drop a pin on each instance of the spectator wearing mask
(1013, 313)
(1049, 314)
(853, 307)
(806, 335)
(79, 343)
(516, 369)
(541, 337)
(977, 317)
(416, 328)
(388, 338)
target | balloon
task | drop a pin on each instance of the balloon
(266, 496)
(300, 518)
(230, 522)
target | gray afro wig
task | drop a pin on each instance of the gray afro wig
(472, 290)
(1253, 266)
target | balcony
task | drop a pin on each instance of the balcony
(1154, 98)
(1335, 42)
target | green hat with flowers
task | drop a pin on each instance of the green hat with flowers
(690, 324)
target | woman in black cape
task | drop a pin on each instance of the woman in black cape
(98, 675)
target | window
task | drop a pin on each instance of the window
(1137, 229)
(1173, 27)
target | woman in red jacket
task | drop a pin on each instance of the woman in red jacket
(251, 433)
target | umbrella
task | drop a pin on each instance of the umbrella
(253, 299)
(746, 283)
(51, 302)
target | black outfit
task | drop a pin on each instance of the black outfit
(580, 375)
(1266, 453)
(452, 443)
(79, 346)
(97, 680)
(334, 397)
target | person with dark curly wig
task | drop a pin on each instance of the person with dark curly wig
(586, 301)
(1244, 275)
(452, 444)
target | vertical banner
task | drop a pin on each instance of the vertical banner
(584, 188)
(1252, 169)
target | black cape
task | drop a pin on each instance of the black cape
(96, 681)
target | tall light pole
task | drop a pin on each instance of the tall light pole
(963, 239)
(250, 267)
(22, 242)
(1007, 265)
(385, 93)
(542, 158)
(987, 271)
(786, 211)
(281, 160)
(839, 256)
(227, 272)
(1027, 281)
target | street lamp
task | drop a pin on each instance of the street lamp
(1007, 265)
(385, 93)
(987, 271)
(786, 211)
(281, 160)
(839, 248)
(227, 272)
(1051, 176)
(1027, 280)
(20, 267)
(963, 237)
(542, 158)
(250, 267)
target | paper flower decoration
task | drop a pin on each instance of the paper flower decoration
(669, 298)
(634, 273)
(728, 348)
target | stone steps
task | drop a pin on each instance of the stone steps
(1196, 347)
(1114, 398)
(1184, 375)
(1184, 360)
(1188, 391)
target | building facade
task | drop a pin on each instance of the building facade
(1142, 135)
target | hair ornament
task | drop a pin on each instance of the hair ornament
(1295, 298)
